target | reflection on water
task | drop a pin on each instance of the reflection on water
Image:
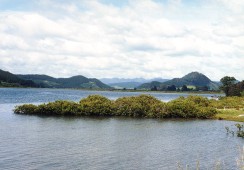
(32, 142)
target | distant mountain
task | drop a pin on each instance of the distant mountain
(121, 80)
(120, 83)
(191, 79)
(8, 79)
(72, 82)
(124, 80)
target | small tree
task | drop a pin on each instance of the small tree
(184, 88)
(171, 88)
(227, 82)
(154, 88)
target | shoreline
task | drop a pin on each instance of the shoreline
(118, 90)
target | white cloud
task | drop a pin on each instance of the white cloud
(141, 39)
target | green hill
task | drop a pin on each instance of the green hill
(8, 79)
(192, 79)
(72, 82)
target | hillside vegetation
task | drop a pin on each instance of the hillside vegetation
(8, 79)
(72, 82)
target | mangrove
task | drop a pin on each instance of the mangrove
(143, 106)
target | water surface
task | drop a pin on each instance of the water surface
(32, 142)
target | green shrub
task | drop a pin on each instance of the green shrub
(191, 107)
(96, 105)
(206, 112)
(64, 108)
(57, 108)
(135, 106)
(182, 108)
(199, 100)
(126, 106)
(26, 109)
(159, 110)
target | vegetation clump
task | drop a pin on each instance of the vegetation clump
(239, 132)
(57, 108)
(96, 105)
(134, 106)
(228, 108)
(191, 107)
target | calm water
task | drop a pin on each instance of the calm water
(32, 142)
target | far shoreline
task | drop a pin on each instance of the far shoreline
(122, 90)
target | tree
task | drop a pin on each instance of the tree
(171, 88)
(184, 88)
(154, 88)
(234, 90)
(227, 82)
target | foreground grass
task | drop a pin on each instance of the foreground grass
(230, 114)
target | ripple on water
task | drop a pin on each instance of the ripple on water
(32, 142)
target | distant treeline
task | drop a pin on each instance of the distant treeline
(183, 88)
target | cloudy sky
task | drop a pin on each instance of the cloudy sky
(123, 38)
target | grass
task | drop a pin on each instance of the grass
(230, 114)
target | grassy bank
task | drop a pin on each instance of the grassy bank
(231, 114)
(229, 108)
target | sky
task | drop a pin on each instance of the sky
(123, 38)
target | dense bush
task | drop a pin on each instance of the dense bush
(96, 105)
(29, 109)
(159, 110)
(182, 108)
(135, 106)
(191, 107)
(62, 108)
(127, 106)
(199, 100)
(206, 112)
(57, 108)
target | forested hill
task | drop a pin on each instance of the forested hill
(72, 82)
(8, 79)
(195, 79)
